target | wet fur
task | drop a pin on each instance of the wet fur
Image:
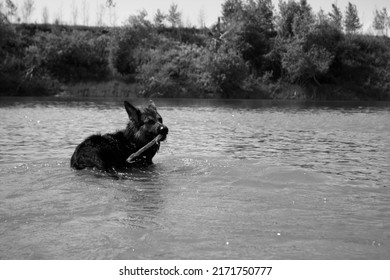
(109, 152)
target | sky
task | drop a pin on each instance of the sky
(191, 9)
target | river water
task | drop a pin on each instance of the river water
(235, 180)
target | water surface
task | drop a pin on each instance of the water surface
(235, 180)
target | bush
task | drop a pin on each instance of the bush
(170, 70)
(73, 57)
(11, 60)
(177, 70)
(227, 70)
(130, 44)
(301, 65)
(364, 61)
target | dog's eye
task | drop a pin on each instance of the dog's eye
(150, 121)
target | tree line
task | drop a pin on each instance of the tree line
(105, 14)
(254, 50)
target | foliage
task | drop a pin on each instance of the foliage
(7, 33)
(72, 57)
(129, 43)
(295, 18)
(248, 28)
(227, 70)
(165, 69)
(159, 18)
(301, 64)
(381, 21)
(232, 10)
(11, 64)
(253, 50)
(174, 16)
(11, 10)
(336, 17)
(351, 20)
(176, 69)
(27, 9)
(364, 61)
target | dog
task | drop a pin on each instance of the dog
(109, 152)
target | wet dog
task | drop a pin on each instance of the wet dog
(109, 152)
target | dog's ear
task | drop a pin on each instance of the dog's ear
(152, 105)
(133, 112)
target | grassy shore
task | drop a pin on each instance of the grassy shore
(108, 89)
(281, 91)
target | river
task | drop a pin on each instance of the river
(235, 180)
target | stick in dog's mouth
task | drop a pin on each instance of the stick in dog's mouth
(144, 148)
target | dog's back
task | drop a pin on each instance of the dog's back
(100, 151)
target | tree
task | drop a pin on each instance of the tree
(321, 17)
(113, 16)
(258, 29)
(295, 18)
(381, 21)
(232, 10)
(27, 10)
(174, 16)
(85, 10)
(59, 17)
(159, 18)
(387, 20)
(140, 21)
(351, 21)
(264, 13)
(74, 13)
(188, 23)
(302, 65)
(130, 44)
(202, 18)
(12, 9)
(336, 17)
(111, 12)
(248, 27)
(304, 20)
(110, 3)
(11, 64)
(7, 33)
(74, 56)
(45, 15)
(100, 11)
(387, 26)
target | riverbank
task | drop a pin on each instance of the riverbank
(111, 89)
(282, 91)
(254, 60)
(277, 91)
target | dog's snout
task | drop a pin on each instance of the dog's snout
(163, 130)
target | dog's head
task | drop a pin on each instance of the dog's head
(145, 123)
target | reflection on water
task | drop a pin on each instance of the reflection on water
(235, 179)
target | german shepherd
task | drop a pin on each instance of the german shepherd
(109, 152)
